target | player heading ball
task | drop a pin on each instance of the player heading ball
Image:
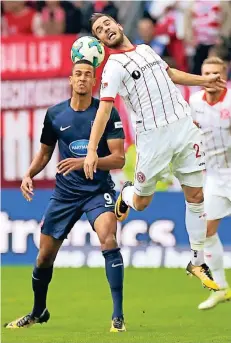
(165, 132)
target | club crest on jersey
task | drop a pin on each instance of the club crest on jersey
(140, 177)
(79, 147)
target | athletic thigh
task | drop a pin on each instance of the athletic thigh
(189, 158)
(154, 154)
(99, 203)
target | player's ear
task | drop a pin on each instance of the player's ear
(94, 81)
(121, 27)
(70, 80)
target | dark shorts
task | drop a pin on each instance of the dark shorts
(60, 216)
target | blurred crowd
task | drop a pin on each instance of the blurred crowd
(183, 32)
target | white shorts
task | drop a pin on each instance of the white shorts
(180, 144)
(217, 195)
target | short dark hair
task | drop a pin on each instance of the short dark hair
(96, 16)
(83, 62)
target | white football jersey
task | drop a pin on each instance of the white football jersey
(139, 76)
(215, 123)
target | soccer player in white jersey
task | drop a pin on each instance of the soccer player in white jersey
(211, 111)
(164, 130)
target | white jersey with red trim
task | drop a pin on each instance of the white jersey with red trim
(139, 75)
(215, 123)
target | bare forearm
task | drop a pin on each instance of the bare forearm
(38, 164)
(111, 162)
(98, 129)
(181, 78)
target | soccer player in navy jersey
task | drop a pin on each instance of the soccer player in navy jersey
(69, 123)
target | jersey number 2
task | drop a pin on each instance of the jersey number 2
(197, 148)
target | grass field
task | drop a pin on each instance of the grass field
(160, 307)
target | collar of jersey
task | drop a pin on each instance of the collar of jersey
(92, 103)
(114, 51)
(221, 98)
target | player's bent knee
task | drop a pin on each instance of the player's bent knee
(141, 203)
(211, 227)
(45, 260)
(109, 242)
(194, 195)
(140, 206)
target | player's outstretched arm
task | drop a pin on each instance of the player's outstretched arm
(100, 122)
(181, 78)
(37, 165)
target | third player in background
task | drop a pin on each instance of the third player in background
(211, 110)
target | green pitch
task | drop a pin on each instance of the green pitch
(160, 307)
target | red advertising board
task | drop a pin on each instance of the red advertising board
(34, 73)
(28, 57)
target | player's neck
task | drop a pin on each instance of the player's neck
(80, 102)
(125, 45)
(212, 98)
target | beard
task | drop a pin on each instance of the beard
(117, 42)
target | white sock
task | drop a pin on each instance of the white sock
(127, 196)
(195, 220)
(214, 258)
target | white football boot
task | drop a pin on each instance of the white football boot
(215, 298)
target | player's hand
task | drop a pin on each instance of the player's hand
(90, 164)
(214, 81)
(27, 188)
(69, 164)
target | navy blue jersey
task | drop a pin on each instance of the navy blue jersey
(72, 131)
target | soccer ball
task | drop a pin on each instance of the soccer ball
(88, 48)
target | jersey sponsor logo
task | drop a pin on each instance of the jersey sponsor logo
(140, 177)
(79, 147)
(118, 125)
(150, 65)
(136, 74)
(64, 128)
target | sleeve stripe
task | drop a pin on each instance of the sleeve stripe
(107, 99)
